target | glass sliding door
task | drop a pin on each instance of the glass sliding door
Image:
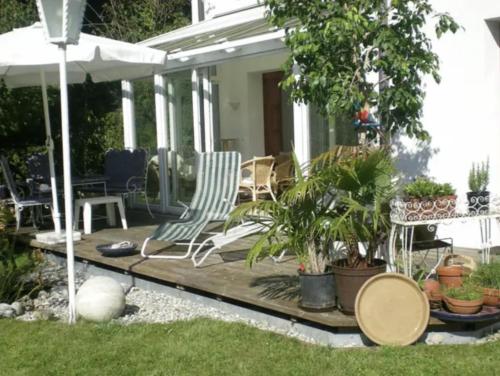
(146, 138)
(326, 133)
(181, 155)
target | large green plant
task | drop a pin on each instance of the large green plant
(363, 185)
(343, 198)
(295, 222)
(337, 47)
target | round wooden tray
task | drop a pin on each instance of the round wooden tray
(392, 310)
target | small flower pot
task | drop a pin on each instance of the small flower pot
(431, 287)
(491, 297)
(479, 202)
(432, 290)
(464, 307)
(450, 276)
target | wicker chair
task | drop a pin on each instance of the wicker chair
(256, 176)
(283, 175)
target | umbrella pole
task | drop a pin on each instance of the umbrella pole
(68, 189)
(56, 214)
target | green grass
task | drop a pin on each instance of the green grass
(205, 347)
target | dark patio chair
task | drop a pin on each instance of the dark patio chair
(125, 173)
(21, 202)
(39, 174)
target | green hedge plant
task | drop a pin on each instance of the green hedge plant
(488, 275)
(426, 188)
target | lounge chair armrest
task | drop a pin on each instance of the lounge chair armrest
(186, 209)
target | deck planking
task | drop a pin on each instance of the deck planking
(267, 285)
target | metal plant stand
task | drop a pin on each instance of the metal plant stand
(405, 215)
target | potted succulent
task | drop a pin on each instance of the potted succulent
(488, 277)
(295, 223)
(479, 197)
(362, 186)
(425, 199)
(466, 299)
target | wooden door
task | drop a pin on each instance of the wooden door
(273, 132)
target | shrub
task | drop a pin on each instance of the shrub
(488, 275)
(468, 291)
(424, 187)
(13, 266)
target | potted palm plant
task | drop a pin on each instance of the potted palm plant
(295, 223)
(343, 199)
(479, 197)
(360, 219)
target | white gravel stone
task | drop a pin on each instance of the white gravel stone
(18, 308)
(145, 306)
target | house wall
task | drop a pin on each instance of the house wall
(240, 101)
(462, 114)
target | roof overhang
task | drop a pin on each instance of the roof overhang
(245, 33)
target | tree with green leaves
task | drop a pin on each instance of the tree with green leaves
(348, 53)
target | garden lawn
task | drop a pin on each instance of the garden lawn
(206, 347)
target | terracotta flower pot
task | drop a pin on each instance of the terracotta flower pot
(491, 297)
(463, 306)
(350, 280)
(431, 287)
(450, 276)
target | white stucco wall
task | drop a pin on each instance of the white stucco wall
(462, 114)
(240, 101)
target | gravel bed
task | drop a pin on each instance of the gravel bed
(142, 306)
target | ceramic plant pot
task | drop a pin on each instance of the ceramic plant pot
(464, 307)
(431, 287)
(450, 276)
(349, 281)
(432, 290)
(479, 202)
(425, 208)
(491, 297)
(317, 291)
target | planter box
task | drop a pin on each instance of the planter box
(417, 209)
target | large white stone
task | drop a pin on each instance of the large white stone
(100, 299)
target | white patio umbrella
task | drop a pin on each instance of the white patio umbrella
(27, 59)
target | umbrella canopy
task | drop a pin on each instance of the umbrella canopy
(25, 52)
(27, 59)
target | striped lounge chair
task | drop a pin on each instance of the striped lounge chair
(217, 182)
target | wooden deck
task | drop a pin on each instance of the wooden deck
(268, 286)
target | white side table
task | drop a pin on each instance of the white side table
(406, 215)
(87, 204)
